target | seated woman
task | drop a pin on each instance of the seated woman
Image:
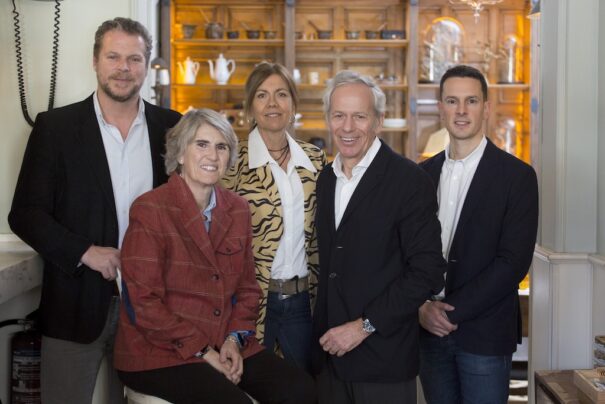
(190, 299)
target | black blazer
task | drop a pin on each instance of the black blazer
(64, 203)
(383, 262)
(491, 251)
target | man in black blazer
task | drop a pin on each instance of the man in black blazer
(83, 166)
(488, 209)
(379, 253)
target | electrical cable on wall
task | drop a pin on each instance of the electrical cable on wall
(19, 57)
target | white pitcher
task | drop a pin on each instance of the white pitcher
(188, 70)
(220, 72)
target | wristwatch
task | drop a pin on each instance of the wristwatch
(200, 354)
(366, 326)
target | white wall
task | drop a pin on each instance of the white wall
(601, 167)
(76, 78)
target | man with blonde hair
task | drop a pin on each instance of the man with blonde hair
(84, 165)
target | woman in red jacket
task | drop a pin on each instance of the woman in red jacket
(190, 298)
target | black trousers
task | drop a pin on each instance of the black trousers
(266, 377)
(332, 390)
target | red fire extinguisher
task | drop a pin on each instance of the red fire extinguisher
(25, 380)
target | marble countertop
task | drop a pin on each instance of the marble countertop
(20, 268)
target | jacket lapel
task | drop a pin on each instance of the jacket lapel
(221, 220)
(192, 218)
(157, 142)
(307, 178)
(434, 167)
(89, 136)
(368, 182)
(478, 188)
(270, 186)
(328, 199)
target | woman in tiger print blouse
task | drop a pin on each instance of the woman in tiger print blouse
(277, 175)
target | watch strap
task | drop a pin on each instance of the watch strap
(367, 326)
(200, 354)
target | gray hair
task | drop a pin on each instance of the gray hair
(183, 134)
(350, 77)
(126, 25)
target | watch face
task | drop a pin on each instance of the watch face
(368, 327)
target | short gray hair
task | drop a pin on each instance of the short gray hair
(350, 77)
(183, 134)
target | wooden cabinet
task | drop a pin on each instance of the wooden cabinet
(297, 45)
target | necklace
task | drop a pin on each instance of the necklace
(280, 150)
(284, 151)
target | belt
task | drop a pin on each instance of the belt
(289, 286)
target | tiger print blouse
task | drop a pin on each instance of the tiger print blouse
(259, 188)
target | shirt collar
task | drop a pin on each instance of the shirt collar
(208, 211)
(472, 158)
(139, 118)
(258, 154)
(363, 163)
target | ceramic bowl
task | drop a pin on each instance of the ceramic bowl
(352, 34)
(214, 30)
(252, 34)
(324, 34)
(372, 34)
(188, 30)
(269, 34)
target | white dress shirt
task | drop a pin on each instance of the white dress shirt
(454, 182)
(291, 257)
(129, 162)
(345, 186)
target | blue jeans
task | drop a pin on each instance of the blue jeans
(288, 321)
(450, 375)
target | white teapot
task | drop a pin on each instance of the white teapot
(188, 70)
(220, 72)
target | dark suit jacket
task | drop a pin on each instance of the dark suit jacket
(383, 262)
(491, 251)
(182, 280)
(64, 203)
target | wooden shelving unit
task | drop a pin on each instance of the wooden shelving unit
(395, 58)
(354, 43)
(226, 43)
(386, 57)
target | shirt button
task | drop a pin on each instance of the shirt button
(215, 277)
(217, 312)
(332, 275)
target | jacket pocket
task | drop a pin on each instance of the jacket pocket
(230, 254)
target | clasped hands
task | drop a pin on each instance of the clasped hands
(433, 318)
(228, 361)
